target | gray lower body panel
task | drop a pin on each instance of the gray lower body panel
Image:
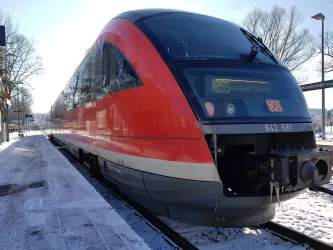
(130, 182)
(195, 202)
(204, 203)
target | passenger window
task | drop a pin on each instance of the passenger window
(126, 76)
(102, 69)
(75, 92)
(64, 102)
(62, 105)
(106, 66)
(98, 58)
(113, 72)
(69, 97)
(86, 79)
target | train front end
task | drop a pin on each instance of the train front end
(256, 123)
(251, 111)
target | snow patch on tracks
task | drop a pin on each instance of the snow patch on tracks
(218, 238)
(310, 213)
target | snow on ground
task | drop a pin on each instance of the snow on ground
(46, 204)
(328, 140)
(218, 238)
(13, 137)
(310, 213)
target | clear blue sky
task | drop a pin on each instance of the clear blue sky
(65, 29)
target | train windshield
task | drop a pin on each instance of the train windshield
(239, 92)
(185, 36)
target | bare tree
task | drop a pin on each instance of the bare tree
(25, 101)
(328, 52)
(329, 116)
(21, 61)
(280, 30)
(302, 79)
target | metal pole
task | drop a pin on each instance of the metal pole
(51, 120)
(323, 78)
(18, 108)
(7, 121)
(23, 116)
(6, 111)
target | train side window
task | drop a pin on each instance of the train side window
(62, 101)
(64, 104)
(102, 70)
(98, 58)
(106, 66)
(69, 97)
(113, 72)
(125, 74)
(86, 80)
(75, 92)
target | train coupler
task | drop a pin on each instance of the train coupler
(295, 170)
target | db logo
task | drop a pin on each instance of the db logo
(274, 106)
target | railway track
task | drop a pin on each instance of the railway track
(177, 241)
(296, 237)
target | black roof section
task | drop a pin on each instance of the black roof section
(136, 15)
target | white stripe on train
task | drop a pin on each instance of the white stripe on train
(181, 170)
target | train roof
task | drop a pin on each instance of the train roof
(136, 15)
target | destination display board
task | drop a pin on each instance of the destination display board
(234, 87)
(317, 85)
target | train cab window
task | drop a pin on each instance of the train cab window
(86, 80)
(234, 93)
(198, 37)
(125, 75)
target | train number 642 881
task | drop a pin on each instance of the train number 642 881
(278, 128)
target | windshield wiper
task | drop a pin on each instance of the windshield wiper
(183, 42)
(253, 53)
(257, 43)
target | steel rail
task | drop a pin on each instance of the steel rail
(294, 236)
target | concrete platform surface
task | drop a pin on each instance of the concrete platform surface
(45, 203)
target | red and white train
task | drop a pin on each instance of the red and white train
(191, 116)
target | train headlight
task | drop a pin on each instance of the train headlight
(231, 109)
(210, 108)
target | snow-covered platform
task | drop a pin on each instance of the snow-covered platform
(45, 203)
